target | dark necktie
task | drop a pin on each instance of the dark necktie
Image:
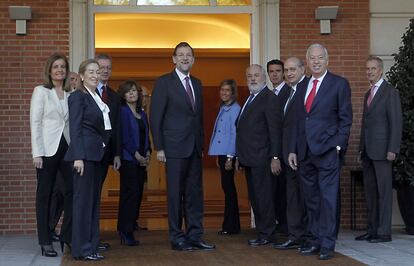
(288, 100)
(249, 100)
(189, 92)
(311, 96)
(371, 95)
(104, 95)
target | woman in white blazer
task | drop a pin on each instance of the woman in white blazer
(49, 124)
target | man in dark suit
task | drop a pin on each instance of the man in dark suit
(380, 140)
(111, 98)
(295, 211)
(324, 114)
(275, 71)
(258, 149)
(176, 118)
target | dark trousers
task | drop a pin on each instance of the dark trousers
(185, 198)
(296, 210)
(260, 188)
(320, 179)
(45, 182)
(378, 194)
(130, 195)
(57, 202)
(106, 161)
(86, 203)
(231, 222)
(279, 197)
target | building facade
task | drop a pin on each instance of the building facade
(279, 29)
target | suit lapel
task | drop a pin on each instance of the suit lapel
(252, 104)
(182, 93)
(380, 93)
(322, 91)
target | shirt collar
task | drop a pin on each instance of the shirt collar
(181, 75)
(320, 79)
(280, 86)
(379, 82)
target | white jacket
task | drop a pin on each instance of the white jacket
(49, 119)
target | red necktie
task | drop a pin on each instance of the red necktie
(105, 97)
(371, 95)
(189, 92)
(311, 96)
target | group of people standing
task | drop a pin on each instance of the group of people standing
(77, 132)
(289, 139)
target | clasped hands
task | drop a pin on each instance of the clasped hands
(143, 161)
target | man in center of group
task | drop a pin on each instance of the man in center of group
(176, 119)
(258, 149)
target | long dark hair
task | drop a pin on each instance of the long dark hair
(125, 87)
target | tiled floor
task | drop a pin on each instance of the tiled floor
(24, 251)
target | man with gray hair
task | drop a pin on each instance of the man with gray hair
(258, 150)
(324, 119)
(380, 141)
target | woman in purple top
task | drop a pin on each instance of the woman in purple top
(223, 145)
(135, 158)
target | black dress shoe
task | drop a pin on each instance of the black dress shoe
(380, 239)
(98, 256)
(326, 254)
(258, 242)
(102, 246)
(224, 233)
(91, 257)
(312, 250)
(200, 244)
(182, 246)
(290, 244)
(364, 237)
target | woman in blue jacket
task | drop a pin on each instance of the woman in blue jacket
(135, 158)
(223, 145)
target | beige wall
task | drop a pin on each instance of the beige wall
(388, 22)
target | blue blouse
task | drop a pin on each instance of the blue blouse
(223, 139)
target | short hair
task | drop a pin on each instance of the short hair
(103, 57)
(82, 69)
(125, 87)
(47, 80)
(275, 62)
(233, 85)
(182, 44)
(378, 59)
(317, 45)
(258, 66)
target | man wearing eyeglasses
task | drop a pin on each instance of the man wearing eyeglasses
(176, 118)
(112, 99)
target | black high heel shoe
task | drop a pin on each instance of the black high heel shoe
(62, 245)
(128, 239)
(48, 251)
